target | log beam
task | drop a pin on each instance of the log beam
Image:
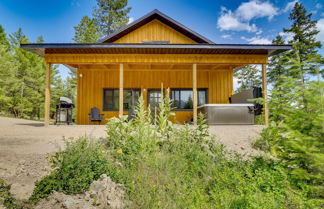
(121, 90)
(265, 94)
(47, 104)
(194, 88)
(235, 59)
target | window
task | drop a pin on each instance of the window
(154, 98)
(111, 98)
(182, 98)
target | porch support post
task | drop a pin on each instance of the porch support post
(47, 103)
(265, 94)
(121, 89)
(194, 89)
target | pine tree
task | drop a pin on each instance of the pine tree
(111, 15)
(295, 135)
(3, 37)
(276, 67)
(248, 77)
(58, 88)
(305, 45)
(35, 79)
(87, 31)
(8, 67)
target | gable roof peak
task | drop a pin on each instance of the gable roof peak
(156, 14)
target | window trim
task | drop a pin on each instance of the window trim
(186, 89)
(116, 109)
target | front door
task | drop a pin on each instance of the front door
(153, 100)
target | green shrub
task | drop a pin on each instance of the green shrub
(76, 167)
(163, 165)
(170, 166)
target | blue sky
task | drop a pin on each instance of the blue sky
(223, 21)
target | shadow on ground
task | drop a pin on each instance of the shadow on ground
(31, 124)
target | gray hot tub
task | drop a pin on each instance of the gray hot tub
(228, 114)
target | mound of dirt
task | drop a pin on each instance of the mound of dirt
(103, 193)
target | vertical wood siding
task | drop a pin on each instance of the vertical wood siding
(94, 78)
(155, 31)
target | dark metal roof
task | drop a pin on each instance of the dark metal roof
(103, 48)
(156, 14)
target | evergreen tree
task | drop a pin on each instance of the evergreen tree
(87, 31)
(8, 67)
(70, 84)
(35, 81)
(111, 15)
(305, 45)
(276, 67)
(58, 88)
(295, 135)
(3, 37)
(248, 77)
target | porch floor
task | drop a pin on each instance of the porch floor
(25, 145)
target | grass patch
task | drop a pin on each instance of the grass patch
(76, 168)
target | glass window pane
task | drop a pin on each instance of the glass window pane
(186, 99)
(108, 99)
(154, 98)
(111, 98)
(131, 97)
(202, 97)
(183, 98)
(115, 100)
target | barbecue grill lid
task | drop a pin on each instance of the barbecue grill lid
(65, 100)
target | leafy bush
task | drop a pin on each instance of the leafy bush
(76, 168)
(163, 165)
(170, 166)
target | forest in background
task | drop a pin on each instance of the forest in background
(22, 79)
(22, 73)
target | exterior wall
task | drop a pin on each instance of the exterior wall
(155, 31)
(219, 83)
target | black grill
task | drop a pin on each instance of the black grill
(64, 111)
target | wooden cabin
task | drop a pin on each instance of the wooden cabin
(151, 52)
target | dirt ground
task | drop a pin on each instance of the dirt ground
(25, 146)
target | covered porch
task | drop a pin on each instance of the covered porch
(147, 67)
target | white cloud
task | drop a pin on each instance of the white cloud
(257, 40)
(227, 36)
(239, 20)
(256, 9)
(290, 5)
(286, 36)
(318, 6)
(130, 20)
(320, 27)
(259, 32)
(228, 21)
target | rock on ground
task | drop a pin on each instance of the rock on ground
(103, 193)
